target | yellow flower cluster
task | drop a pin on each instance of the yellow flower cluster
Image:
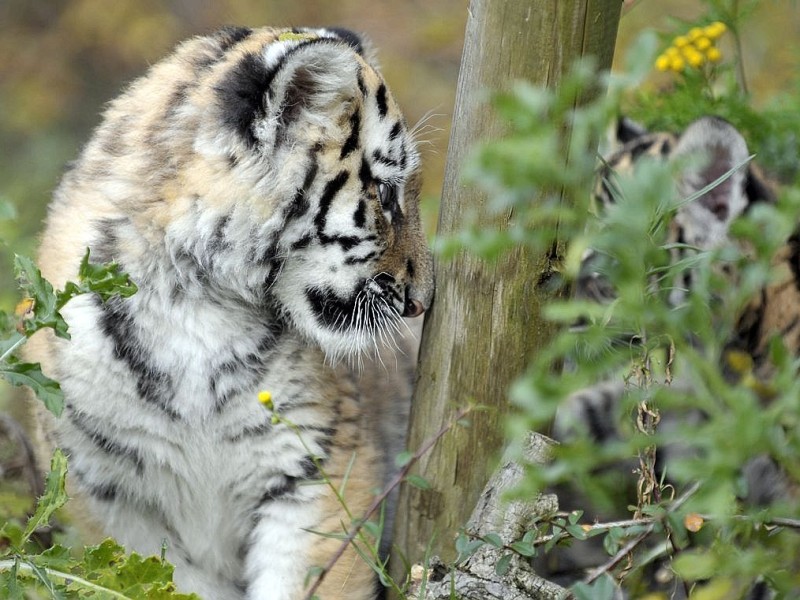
(694, 49)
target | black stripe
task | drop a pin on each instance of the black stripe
(105, 492)
(303, 242)
(359, 217)
(380, 98)
(106, 247)
(153, 385)
(331, 310)
(350, 37)
(238, 372)
(351, 143)
(360, 80)
(365, 175)
(355, 260)
(218, 239)
(177, 99)
(80, 422)
(241, 95)
(251, 432)
(288, 484)
(320, 220)
(396, 128)
(230, 35)
(300, 203)
(280, 491)
(378, 156)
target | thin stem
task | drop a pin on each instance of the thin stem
(737, 42)
(23, 565)
(631, 546)
(12, 348)
(397, 480)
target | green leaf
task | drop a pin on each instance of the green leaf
(8, 211)
(105, 280)
(466, 547)
(695, 564)
(501, 568)
(373, 528)
(576, 531)
(524, 549)
(36, 287)
(56, 557)
(493, 539)
(603, 589)
(44, 578)
(312, 574)
(9, 345)
(10, 583)
(574, 516)
(54, 497)
(30, 374)
(402, 459)
(418, 482)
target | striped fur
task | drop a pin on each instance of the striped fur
(261, 188)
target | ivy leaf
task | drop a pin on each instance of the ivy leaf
(30, 374)
(576, 531)
(603, 589)
(493, 539)
(501, 568)
(524, 549)
(54, 497)
(466, 547)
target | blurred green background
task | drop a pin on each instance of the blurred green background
(61, 60)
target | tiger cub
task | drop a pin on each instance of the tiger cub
(702, 223)
(261, 188)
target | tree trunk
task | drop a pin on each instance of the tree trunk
(484, 324)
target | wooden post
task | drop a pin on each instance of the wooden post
(484, 324)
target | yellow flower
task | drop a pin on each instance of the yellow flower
(695, 60)
(680, 41)
(672, 52)
(702, 43)
(663, 62)
(677, 64)
(693, 57)
(265, 398)
(715, 30)
(713, 54)
(694, 33)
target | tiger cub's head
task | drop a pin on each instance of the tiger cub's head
(706, 151)
(276, 168)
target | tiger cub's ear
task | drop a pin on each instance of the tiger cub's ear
(307, 82)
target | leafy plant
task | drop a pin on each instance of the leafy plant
(712, 540)
(101, 571)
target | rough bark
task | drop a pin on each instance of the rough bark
(484, 324)
(477, 578)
